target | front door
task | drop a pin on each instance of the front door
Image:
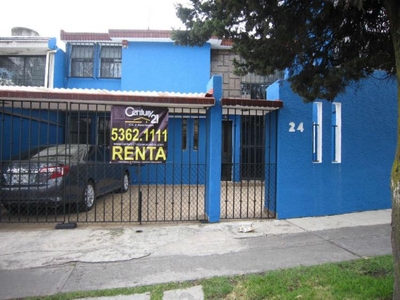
(226, 172)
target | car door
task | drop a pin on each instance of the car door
(111, 176)
(98, 170)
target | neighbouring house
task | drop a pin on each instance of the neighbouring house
(238, 147)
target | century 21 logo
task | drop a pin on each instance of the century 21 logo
(131, 112)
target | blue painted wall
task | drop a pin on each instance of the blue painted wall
(361, 181)
(165, 67)
(59, 69)
(93, 83)
(24, 128)
(155, 66)
(185, 166)
(59, 64)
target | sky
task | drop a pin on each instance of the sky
(48, 18)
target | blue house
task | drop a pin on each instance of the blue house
(232, 154)
(126, 60)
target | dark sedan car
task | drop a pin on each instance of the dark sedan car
(61, 174)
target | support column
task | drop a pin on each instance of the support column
(271, 121)
(213, 153)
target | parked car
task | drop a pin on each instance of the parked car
(61, 174)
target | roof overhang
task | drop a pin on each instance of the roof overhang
(24, 45)
(250, 106)
(134, 35)
(32, 97)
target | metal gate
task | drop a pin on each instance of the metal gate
(58, 189)
(248, 164)
(70, 178)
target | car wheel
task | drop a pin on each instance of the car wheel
(125, 183)
(89, 197)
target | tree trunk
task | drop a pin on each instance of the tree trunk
(396, 229)
(393, 10)
(395, 185)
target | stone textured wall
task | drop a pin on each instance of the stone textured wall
(222, 64)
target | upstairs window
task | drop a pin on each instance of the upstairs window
(22, 70)
(110, 61)
(82, 60)
(254, 86)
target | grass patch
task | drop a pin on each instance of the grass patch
(370, 278)
(361, 279)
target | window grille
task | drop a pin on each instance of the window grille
(110, 60)
(254, 86)
(22, 70)
(82, 60)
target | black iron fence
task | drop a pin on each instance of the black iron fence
(248, 186)
(69, 178)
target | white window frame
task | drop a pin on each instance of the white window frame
(336, 132)
(110, 61)
(317, 133)
(82, 60)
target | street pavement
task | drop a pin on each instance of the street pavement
(38, 260)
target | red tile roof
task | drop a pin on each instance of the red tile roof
(84, 36)
(126, 34)
(158, 34)
(227, 42)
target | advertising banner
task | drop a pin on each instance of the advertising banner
(139, 134)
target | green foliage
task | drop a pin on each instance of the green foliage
(369, 278)
(324, 45)
(355, 280)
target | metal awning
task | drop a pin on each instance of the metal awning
(250, 106)
(31, 97)
(76, 97)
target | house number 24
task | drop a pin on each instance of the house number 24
(294, 128)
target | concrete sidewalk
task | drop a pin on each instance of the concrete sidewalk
(39, 260)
